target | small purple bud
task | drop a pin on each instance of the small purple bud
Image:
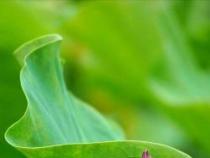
(146, 154)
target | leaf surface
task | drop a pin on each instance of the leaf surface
(56, 123)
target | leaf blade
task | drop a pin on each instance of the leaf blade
(57, 123)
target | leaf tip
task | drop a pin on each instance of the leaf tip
(30, 46)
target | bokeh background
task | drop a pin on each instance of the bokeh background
(143, 63)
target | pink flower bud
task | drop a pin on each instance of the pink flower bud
(146, 154)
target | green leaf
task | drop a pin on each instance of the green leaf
(57, 124)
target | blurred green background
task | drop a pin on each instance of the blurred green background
(145, 64)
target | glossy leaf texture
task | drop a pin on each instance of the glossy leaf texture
(56, 123)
